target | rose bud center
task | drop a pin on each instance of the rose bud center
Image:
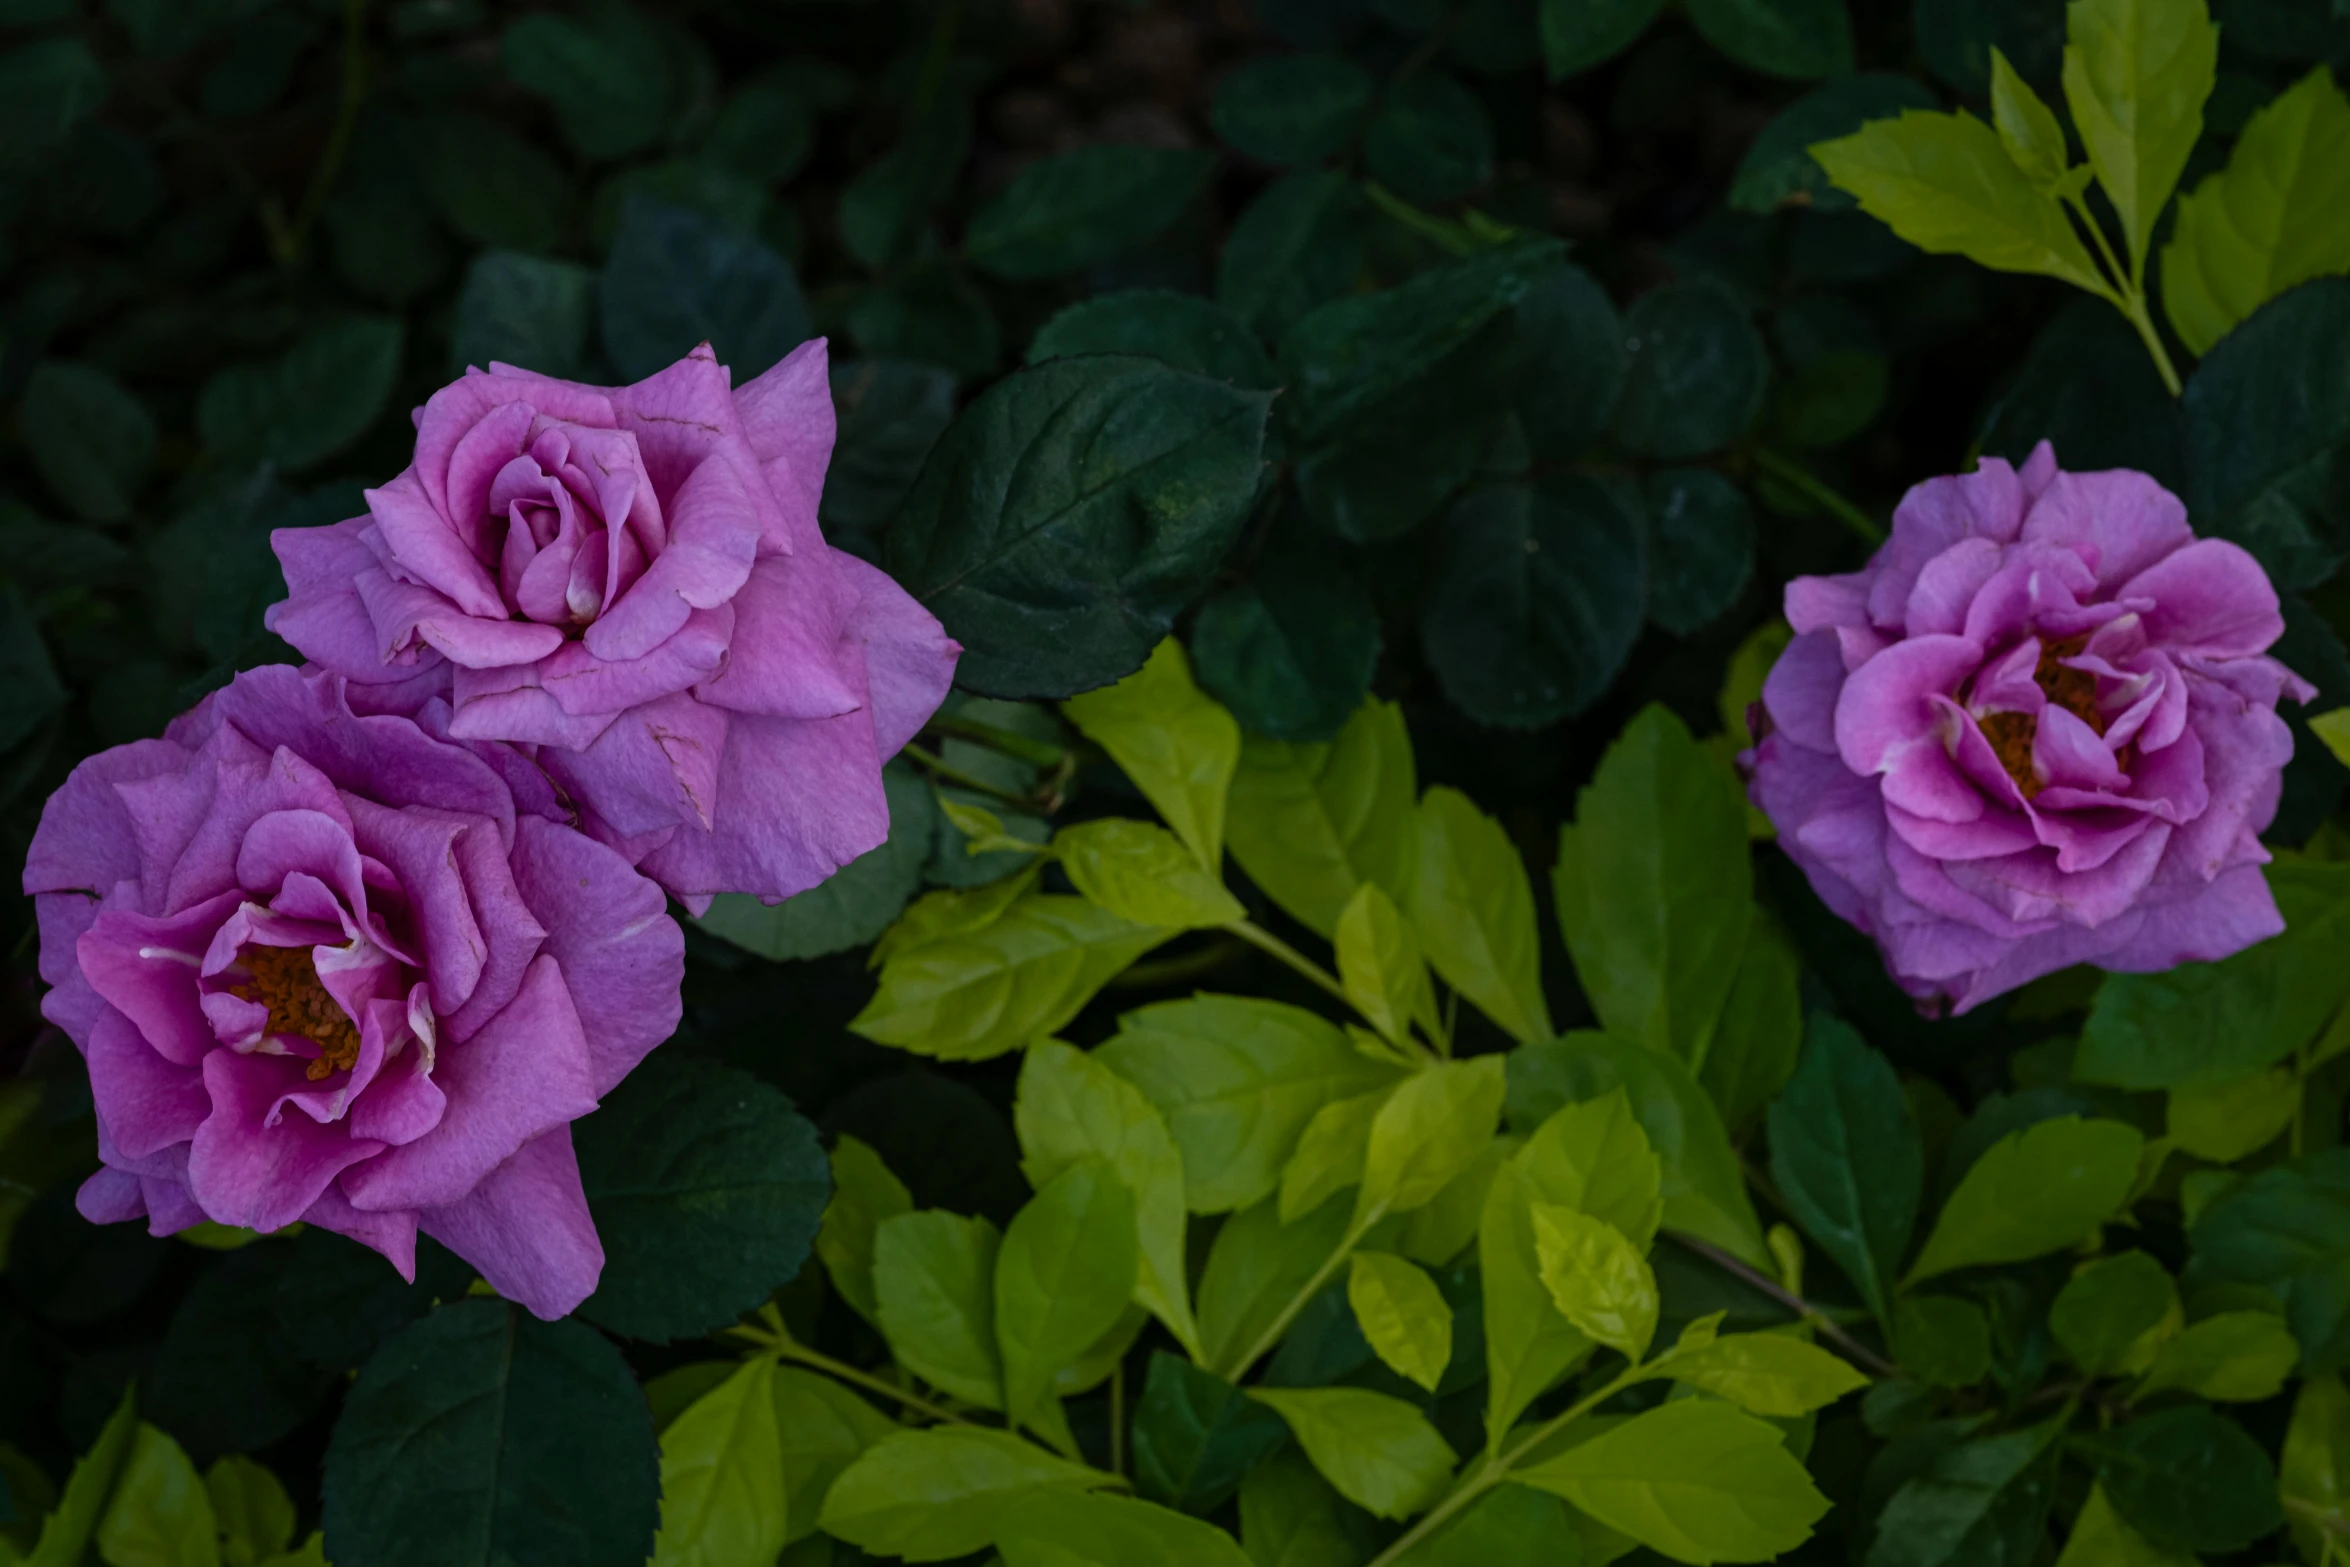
(285, 980)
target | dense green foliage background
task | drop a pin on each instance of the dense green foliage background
(1458, 382)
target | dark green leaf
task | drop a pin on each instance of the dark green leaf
(386, 245)
(2108, 1306)
(337, 1300)
(1183, 330)
(526, 311)
(1701, 547)
(227, 1379)
(309, 403)
(2287, 1231)
(1069, 513)
(1981, 1503)
(1510, 1523)
(763, 133)
(1579, 34)
(1572, 344)
(1804, 39)
(91, 439)
(1846, 1157)
(33, 692)
(1078, 208)
(1942, 1340)
(890, 414)
(1290, 651)
(882, 210)
(47, 87)
(2188, 1478)
(482, 1437)
(594, 74)
(706, 1189)
(1196, 1435)
(1398, 464)
(937, 315)
(1291, 108)
(1297, 246)
(2088, 386)
(1538, 601)
(677, 278)
(490, 185)
(1956, 38)
(1779, 166)
(1431, 140)
(692, 184)
(857, 903)
(1830, 400)
(1698, 372)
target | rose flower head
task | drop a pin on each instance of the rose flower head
(2038, 729)
(323, 967)
(630, 583)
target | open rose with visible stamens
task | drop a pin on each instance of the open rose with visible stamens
(2038, 729)
(326, 966)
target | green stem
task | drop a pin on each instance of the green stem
(939, 767)
(1019, 747)
(2140, 318)
(1265, 941)
(1297, 1303)
(2128, 294)
(292, 241)
(781, 1342)
(1754, 1279)
(1797, 477)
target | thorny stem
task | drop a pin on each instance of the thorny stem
(1854, 1349)
(1797, 477)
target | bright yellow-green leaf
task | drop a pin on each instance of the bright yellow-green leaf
(1440, 1229)
(1256, 1265)
(980, 993)
(2313, 1477)
(2334, 729)
(1178, 745)
(2114, 1312)
(1237, 1079)
(1594, 1157)
(250, 1505)
(65, 1533)
(1380, 1452)
(1474, 909)
(218, 1237)
(864, 1193)
(952, 911)
(2238, 1357)
(2101, 1539)
(1598, 1281)
(1944, 183)
(2223, 1122)
(2032, 1192)
(1310, 823)
(1063, 1275)
(2277, 215)
(1072, 1106)
(982, 830)
(1086, 1529)
(2136, 73)
(1140, 872)
(1768, 1374)
(1380, 966)
(161, 1514)
(1403, 1315)
(928, 1496)
(1432, 1127)
(822, 1427)
(721, 1464)
(1695, 1479)
(934, 1297)
(2027, 127)
(1330, 1153)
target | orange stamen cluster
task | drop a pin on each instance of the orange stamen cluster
(2075, 690)
(285, 980)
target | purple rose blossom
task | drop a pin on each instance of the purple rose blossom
(630, 582)
(324, 967)
(2036, 730)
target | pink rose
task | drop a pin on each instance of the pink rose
(629, 582)
(2036, 730)
(323, 968)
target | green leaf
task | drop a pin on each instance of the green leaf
(161, 1515)
(2287, 1231)
(1847, 1160)
(1579, 34)
(1311, 823)
(528, 311)
(1196, 1435)
(1139, 872)
(2187, 1478)
(1237, 1079)
(1380, 967)
(2207, 1023)
(2278, 215)
(2101, 1539)
(1984, 1500)
(1598, 1281)
(1767, 1374)
(864, 1195)
(1946, 184)
(2034, 1191)
(90, 438)
(1073, 1106)
(1062, 1277)
(938, 314)
(2265, 418)
(50, 86)
(1704, 1193)
(592, 74)
(482, 1435)
(859, 901)
(1572, 343)
(1178, 747)
(490, 185)
(1256, 1266)
(2136, 73)
(1431, 140)
(1182, 330)
(2237, 1357)
(2110, 1307)
(2334, 729)
(1290, 1517)
(1295, 108)
(1698, 371)
(822, 1428)
(1779, 169)
(1694, 1479)
(931, 1495)
(1474, 908)
(1330, 1153)
(1078, 208)
(676, 278)
(255, 1516)
(1431, 1127)
(1594, 1156)
(1291, 651)
(309, 403)
(1510, 1523)
(65, 1533)
(890, 415)
(1759, 1040)
(719, 1461)
(1439, 1230)
(2028, 129)
(934, 1297)
(2313, 1477)
(1701, 552)
(1655, 892)
(1380, 1452)
(1541, 592)
(1402, 1314)
(883, 207)
(2224, 1122)
(1085, 1529)
(1298, 245)
(1068, 514)
(979, 993)
(1803, 39)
